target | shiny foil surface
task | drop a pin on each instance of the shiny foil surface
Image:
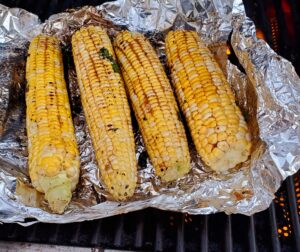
(267, 91)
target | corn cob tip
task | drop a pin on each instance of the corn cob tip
(58, 191)
(232, 157)
(123, 188)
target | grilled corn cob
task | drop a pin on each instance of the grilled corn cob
(217, 126)
(154, 105)
(53, 154)
(106, 109)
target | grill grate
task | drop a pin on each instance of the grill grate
(275, 229)
(157, 230)
(152, 229)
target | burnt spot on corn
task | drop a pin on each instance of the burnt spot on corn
(113, 129)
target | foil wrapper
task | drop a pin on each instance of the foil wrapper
(266, 87)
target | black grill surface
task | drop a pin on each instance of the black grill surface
(155, 230)
(275, 229)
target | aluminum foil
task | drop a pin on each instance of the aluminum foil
(267, 90)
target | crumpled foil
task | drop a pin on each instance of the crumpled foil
(267, 90)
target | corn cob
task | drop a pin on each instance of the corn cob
(217, 126)
(106, 109)
(154, 105)
(53, 154)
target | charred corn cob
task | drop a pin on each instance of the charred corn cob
(106, 109)
(53, 154)
(217, 126)
(154, 105)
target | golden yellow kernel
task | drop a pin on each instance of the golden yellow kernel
(213, 138)
(208, 148)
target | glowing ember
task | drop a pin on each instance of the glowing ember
(228, 52)
(271, 14)
(260, 34)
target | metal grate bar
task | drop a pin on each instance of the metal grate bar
(32, 235)
(158, 235)
(274, 233)
(204, 234)
(118, 241)
(75, 238)
(97, 233)
(251, 235)
(29, 247)
(139, 235)
(228, 234)
(12, 233)
(54, 237)
(294, 211)
(180, 234)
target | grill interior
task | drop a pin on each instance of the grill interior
(275, 229)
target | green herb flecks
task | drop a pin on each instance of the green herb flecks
(104, 53)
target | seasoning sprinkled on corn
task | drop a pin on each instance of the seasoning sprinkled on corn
(106, 109)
